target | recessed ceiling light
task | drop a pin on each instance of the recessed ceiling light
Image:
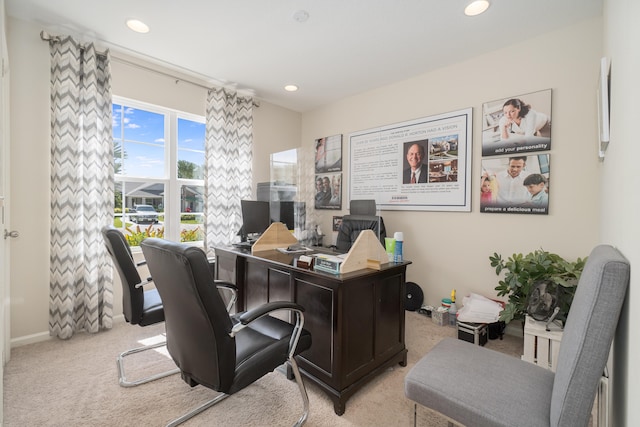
(137, 26)
(476, 7)
(301, 16)
(291, 88)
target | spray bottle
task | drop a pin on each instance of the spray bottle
(453, 309)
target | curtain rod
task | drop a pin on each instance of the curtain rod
(49, 38)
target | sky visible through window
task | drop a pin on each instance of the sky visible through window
(144, 141)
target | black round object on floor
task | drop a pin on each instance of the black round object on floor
(413, 297)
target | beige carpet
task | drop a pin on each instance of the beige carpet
(74, 383)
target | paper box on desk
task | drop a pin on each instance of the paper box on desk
(327, 263)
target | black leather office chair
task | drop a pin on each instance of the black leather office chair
(351, 227)
(211, 348)
(362, 217)
(140, 307)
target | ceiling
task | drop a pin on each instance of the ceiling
(344, 48)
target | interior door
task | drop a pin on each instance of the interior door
(4, 200)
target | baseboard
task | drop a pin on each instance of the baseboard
(30, 339)
(515, 328)
(44, 336)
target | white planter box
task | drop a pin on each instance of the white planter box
(541, 347)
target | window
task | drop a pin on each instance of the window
(159, 172)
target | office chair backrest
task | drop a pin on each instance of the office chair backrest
(351, 227)
(132, 297)
(362, 207)
(196, 319)
(587, 336)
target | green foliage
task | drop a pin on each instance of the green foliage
(187, 169)
(135, 237)
(194, 235)
(522, 271)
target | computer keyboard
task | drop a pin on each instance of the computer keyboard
(243, 245)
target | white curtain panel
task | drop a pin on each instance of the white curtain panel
(81, 293)
(228, 169)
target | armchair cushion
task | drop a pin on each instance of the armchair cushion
(481, 386)
(152, 309)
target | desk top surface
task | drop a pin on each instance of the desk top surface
(290, 260)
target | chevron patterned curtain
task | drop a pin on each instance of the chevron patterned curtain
(228, 169)
(81, 189)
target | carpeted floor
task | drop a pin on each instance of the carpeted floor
(74, 383)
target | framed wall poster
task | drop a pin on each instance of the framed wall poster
(421, 164)
(328, 154)
(517, 124)
(603, 106)
(328, 191)
(337, 222)
(516, 184)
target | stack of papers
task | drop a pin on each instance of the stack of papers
(479, 309)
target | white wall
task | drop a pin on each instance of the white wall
(452, 249)
(620, 198)
(30, 180)
(275, 129)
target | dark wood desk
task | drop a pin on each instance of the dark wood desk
(356, 319)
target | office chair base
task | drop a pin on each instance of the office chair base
(121, 373)
(221, 397)
(196, 411)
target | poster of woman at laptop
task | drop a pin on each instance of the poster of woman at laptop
(517, 124)
(516, 184)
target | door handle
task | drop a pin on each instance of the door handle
(13, 234)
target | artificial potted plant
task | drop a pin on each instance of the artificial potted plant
(523, 271)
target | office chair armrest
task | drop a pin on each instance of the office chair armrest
(146, 282)
(233, 289)
(249, 316)
(226, 285)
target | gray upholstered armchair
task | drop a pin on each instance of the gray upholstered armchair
(475, 386)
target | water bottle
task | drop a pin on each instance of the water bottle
(397, 251)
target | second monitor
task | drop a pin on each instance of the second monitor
(258, 215)
(255, 218)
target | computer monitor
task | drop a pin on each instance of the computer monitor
(255, 218)
(284, 212)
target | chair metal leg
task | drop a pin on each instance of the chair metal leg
(221, 397)
(196, 411)
(120, 363)
(303, 392)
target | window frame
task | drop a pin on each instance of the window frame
(172, 184)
